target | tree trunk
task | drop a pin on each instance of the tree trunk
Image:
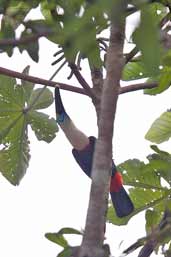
(92, 244)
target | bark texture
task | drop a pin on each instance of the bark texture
(92, 244)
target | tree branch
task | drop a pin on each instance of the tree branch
(101, 172)
(40, 81)
(130, 55)
(81, 80)
(36, 80)
(139, 86)
(97, 80)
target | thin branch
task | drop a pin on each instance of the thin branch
(23, 40)
(129, 56)
(97, 80)
(36, 80)
(139, 86)
(40, 81)
(81, 80)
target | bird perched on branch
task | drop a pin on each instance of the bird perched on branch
(83, 150)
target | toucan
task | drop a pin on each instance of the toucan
(83, 150)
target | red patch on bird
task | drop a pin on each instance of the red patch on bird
(116, 182)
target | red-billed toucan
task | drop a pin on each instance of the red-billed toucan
(83, 153)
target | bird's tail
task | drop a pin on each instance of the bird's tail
(120, 198)
(121, 201)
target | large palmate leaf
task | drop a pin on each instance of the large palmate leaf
(145, 180)
(18, 104)
(160, 130)
(14, 157)
(43, 126)
(40, 98)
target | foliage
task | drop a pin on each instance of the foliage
(160, 130)
(67, 23)
(59, 239)
(146, 190)
(19, 110)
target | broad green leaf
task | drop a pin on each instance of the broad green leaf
(57, 238)
(15, 116)
(32, 48)
(135, 70)
(142, 199)
(158, 10)
(17, 9)
(167, 58)
(164, 82)
(27, 86)
(14, 157)
(161, 162)
(40, 98)
(7, 32)
(138, 173)
(160, 130)
(150, 47)
(153, 218)
(10, 94)
(46, 8)
(112, 218)
(45, 128)
(7, 122)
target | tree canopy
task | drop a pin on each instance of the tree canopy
(91, 32)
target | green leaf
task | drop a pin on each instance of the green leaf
(157, 150)
(112, 218)
(161, 162)
(150, 47)
(15, 115)
(153, 218)
(17, 10)
(167, 58)
(57, 238)
(40, 98)
(46, 8)
(135, 70)
(32, 48)
(14, 157)
(45, 128)
(164, 82)
(11, 95)
(7, 32)
(160, 130)
(27, 86)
